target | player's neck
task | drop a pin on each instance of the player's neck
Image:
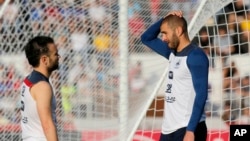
(43, 71)
(183, 44)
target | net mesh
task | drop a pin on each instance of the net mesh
(87, 83)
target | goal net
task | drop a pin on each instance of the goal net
(111, 87)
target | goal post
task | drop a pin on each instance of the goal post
(3, 7)
(124, 89)
(206, 9)
(110, 86)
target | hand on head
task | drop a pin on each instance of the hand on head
(176, 12)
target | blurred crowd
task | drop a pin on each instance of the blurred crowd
(86, 33)
(228, 35)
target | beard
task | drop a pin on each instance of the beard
(55, 66)
(174, 43)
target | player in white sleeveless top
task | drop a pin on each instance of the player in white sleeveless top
(38, 102)
(187, 80)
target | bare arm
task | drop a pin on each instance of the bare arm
(42, 93)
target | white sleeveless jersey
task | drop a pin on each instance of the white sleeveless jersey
(179, 95)
(30, 122)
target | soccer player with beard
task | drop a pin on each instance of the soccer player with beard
(187, 80)
(38, 103)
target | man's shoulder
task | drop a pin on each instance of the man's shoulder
(197, 56)
(41, 87)
(197, 49)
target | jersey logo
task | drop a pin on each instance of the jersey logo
(170, 99)
(177, 64)
(170, 75)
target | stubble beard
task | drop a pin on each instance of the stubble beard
(175, 42)
(54, 67)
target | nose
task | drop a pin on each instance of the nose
(164, 38)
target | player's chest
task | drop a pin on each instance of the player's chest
(178, 67)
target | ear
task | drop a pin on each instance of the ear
(43, 60)
(179, 31)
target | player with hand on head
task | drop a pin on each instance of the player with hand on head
(38, 103)
(187, 80)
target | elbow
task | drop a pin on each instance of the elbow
(143, 38)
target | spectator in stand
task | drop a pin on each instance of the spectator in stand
(133, 7)
(82, 107)
(235, 13)
(3, 119)
(154, 8)
(79, 37)
(102, 44)
(245, 84)
(232, 92)
(230, 74)
(97, 13)
(234, 30)
(136, 27)
(136, 80)
(67, 91)
(135, 70)
(223, 43)
(51, 11)
(2, 88)
(83, 86)
(36, 14)
(2, 69)
(245, 89)
(16, 117)
(244, 118)
(238, 7)
(228, 116)
(11, 12)
(115, 44)
(100, 75)
(204, 41)
(73, 71)
(245, 36)
(8, 81)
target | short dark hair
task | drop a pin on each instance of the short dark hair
(37, 47)
(175, 21)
